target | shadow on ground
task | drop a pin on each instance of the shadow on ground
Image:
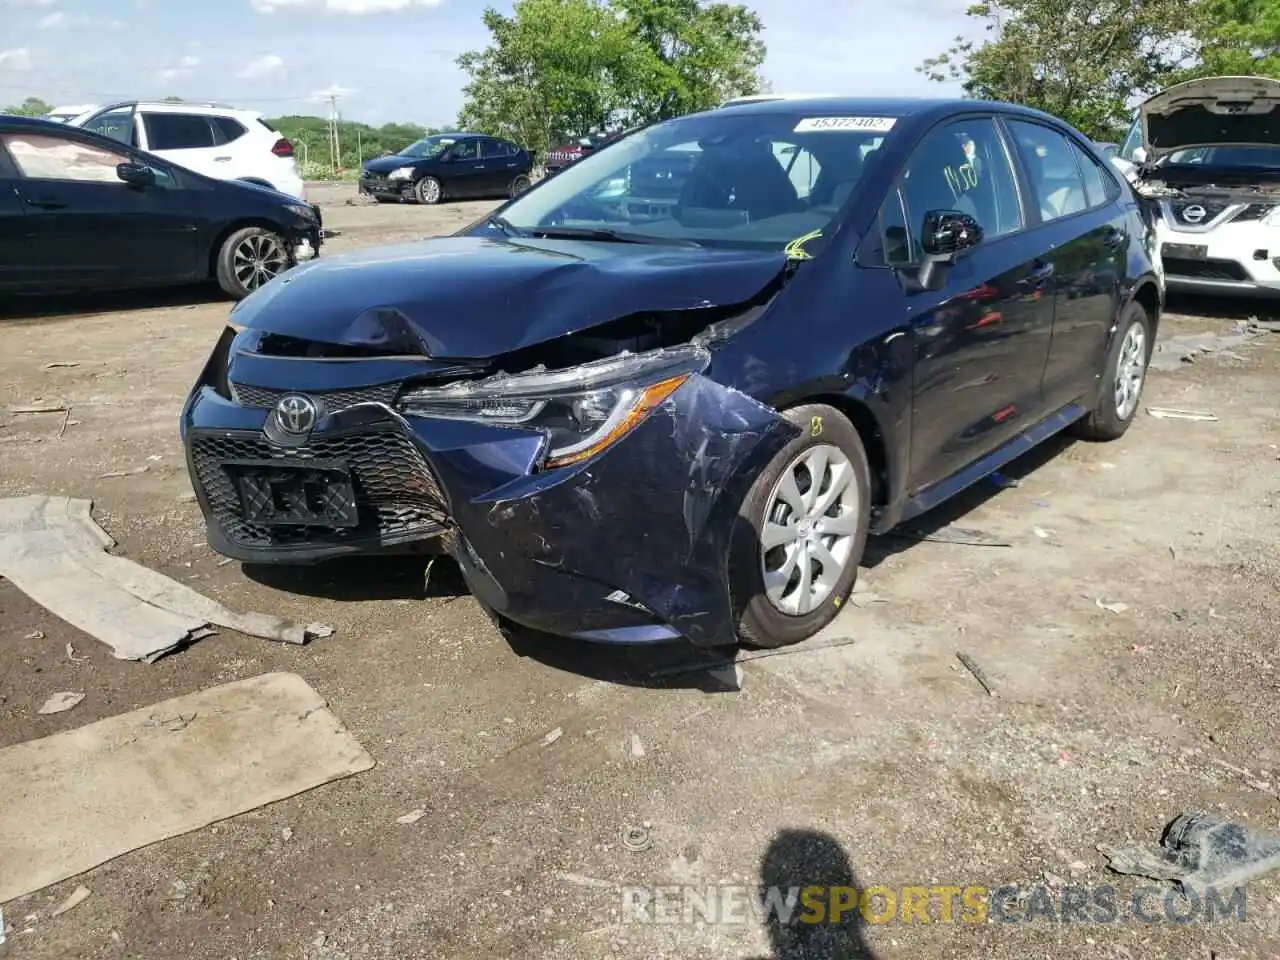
(357, 579)
(20, 307)
(809, 858)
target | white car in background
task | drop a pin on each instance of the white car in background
(1205, 156)
(69, 113)
(217, 141)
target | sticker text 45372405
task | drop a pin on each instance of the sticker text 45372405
(844, 124)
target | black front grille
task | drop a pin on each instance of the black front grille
(332, 400)
(397, 497)
(1254, 211)
(1207, 269)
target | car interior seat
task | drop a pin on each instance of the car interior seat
(741, 177)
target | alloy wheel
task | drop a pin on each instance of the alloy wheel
(429, 190)
(259, 258)
(809, 528)
(1131, 369)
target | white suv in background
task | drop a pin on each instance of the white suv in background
(1205, 157)
(219, 142)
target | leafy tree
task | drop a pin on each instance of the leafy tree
(555, 69)
(1239, 38)
(31, 107)
(1082, 60)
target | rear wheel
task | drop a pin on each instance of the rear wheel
(428, 190)
(519, 185)
(801, 531)
(250, 258)
(1123, 377)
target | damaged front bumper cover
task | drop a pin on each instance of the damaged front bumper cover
(627, 544)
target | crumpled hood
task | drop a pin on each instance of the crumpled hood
(394, 162)
(1211, 112)
(473, 297)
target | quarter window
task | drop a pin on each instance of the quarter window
(177, 131)
(116, 124)
(961, 166)
(1051, 164)
(1098, 185)
(42, 157)
(228, 129)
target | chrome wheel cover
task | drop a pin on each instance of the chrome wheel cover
(807, 537)
(1131, 370)
(257, 259)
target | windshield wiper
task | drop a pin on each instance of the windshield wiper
(609, 235)
(505, 225)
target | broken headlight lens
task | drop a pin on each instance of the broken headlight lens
(582, 409)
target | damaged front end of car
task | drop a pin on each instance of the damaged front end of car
(587, 485)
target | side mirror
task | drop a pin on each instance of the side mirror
(1139, 155)
(946, 235)
(135, 174)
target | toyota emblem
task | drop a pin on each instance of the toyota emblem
(296, 414)
(1194, 213)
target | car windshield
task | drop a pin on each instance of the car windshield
(769, 181)
(1248, 157)
(428, 147)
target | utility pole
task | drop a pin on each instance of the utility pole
(335, 146)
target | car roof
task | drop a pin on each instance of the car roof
(181, 106)
(39, 125)
(900, 107)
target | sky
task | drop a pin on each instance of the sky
(393, 60)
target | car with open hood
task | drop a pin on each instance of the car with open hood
(635, 422)
(450, 166)
(1205, 154)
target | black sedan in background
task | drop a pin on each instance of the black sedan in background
(632, 421)
(80, 211)
(453, 166)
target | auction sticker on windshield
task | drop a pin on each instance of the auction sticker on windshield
(871, 124)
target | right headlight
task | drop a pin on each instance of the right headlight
(582, 410)
(401, 173)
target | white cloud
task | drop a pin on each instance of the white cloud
(264, 66)
(60, 19)
(333, 90)
(355, 7)
(190, 62)
(30, 3)
(18, 58)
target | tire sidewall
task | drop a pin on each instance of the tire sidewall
(419, 190)
(516, 189)
(226, 274)
(1108, 417)
(761, 624)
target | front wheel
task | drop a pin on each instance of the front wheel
(1123, 377)
(801, 531)
(519, 185)
(250, 258)
(428, 190)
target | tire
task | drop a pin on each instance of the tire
(766, 622)
(429, 191)
(519, 185)
(1110, 417)
(231, 271)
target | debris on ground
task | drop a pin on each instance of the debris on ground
(61, 363)
(34, 635)
(552, 737)
(286, 834)
(40, 408)
(61, 702)
(1163, 413)
(637, 839)
(78, 896)
(1171, 353)
(949, 534)
(52, 550)
(637, 748)
(71, 655)
(978, 674)
(106, 788)
(1199, 851)
(116, 474)
(578, 880)
(413, 816)
(1110, 606)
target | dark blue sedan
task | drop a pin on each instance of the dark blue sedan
(636, 415)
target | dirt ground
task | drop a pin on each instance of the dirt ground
(880, 762)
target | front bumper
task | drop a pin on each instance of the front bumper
(382, 187)
(629, 546)
(1235, 259)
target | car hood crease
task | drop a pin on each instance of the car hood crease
(468, 297)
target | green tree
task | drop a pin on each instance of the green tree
(698, 55)
(1082, 60)
(556, 69)
(30, 107)
(1239, 38)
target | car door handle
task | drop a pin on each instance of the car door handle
(47, 203)
(221, 159)
(479, 166)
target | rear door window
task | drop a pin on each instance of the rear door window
(1099, 188)
(44, 157)
(178, 131)
(1051, 165)
(492, 149)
